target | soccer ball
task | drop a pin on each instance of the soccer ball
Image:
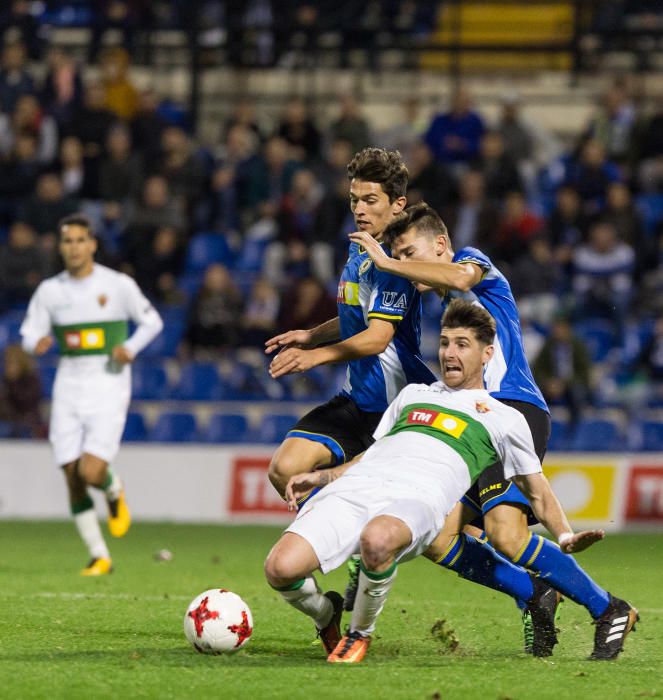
(218, 622)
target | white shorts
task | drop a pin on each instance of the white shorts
(332, 521)
(88, 419)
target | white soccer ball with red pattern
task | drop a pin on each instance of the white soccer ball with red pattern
(218, 622)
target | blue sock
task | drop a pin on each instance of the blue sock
(477, 561)
(561, 571)
(305, 499)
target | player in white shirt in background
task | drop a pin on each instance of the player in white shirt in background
(85, 310)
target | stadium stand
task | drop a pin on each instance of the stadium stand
(219, 166)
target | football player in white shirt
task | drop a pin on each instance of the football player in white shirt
(85, 310)
(431, 444)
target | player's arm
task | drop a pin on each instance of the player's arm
(327, 332)
(145, 316)
(372, 341)
(36, 327)
(549, 512)
(522, 466)
(459, 276)
(301, 484)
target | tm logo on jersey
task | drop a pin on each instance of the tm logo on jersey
(392, 301)
(452, 425)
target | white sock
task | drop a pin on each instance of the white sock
(113, 486)
(371, 596)
(308, 599)
(90, 532)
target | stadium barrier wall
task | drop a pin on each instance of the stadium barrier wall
(212, 484)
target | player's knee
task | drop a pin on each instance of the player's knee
(91, 472)
(279, 569)
(506, 540)
(378, 543)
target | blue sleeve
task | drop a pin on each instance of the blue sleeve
(391, 296)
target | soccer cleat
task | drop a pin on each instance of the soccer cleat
(542, 609)
(353, 584)
(98, 566)
(119, 518)
(528, 631)
(350, 650)
(611, 629)
(331, 634)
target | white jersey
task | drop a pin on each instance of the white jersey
(436, 441)
(88, 317)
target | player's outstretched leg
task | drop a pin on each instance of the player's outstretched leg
(381, 539)
(87, 523)
(565, 575)
(475, 560)
(611, 629)
(288, 570)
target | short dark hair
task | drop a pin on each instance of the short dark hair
(465, 314)
(422, 216)
(76, 220)
(384, 167)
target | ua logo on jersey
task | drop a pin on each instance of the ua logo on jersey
(393, 301)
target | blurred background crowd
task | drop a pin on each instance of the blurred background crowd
(241, 238)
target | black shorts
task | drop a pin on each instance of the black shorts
(491, 488)
(340, 425)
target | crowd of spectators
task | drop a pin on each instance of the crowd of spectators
(245, 237)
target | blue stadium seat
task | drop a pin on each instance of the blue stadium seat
(227, 428)
(206, 248)
(165, 344)
(273, 428)
(252, 254)
(5, 429)
(174, 427)
(650, 207)
(134, 429)
(199, 381)
(652, 436)
(149, 381)
(597, 435)
(598, 334)
(9, 327)
(47, 377)
(559, 436)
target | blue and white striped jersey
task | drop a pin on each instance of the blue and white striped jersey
(507, 375)
(365, 293)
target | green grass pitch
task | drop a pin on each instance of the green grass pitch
(121, 636)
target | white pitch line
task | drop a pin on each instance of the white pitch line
(101, 596)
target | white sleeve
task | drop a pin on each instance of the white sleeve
(516, 449)
(390, 415)
(37, 321)
(143, 314)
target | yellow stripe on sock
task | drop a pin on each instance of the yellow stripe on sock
(452, 544)
(521, 551)
(460, 551)
(536, 552)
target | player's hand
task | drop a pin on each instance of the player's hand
(581, 540)
(295, 339)
(44, 345)
(292, 361)
(299, 485)
(122, 355)
(372, 247)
